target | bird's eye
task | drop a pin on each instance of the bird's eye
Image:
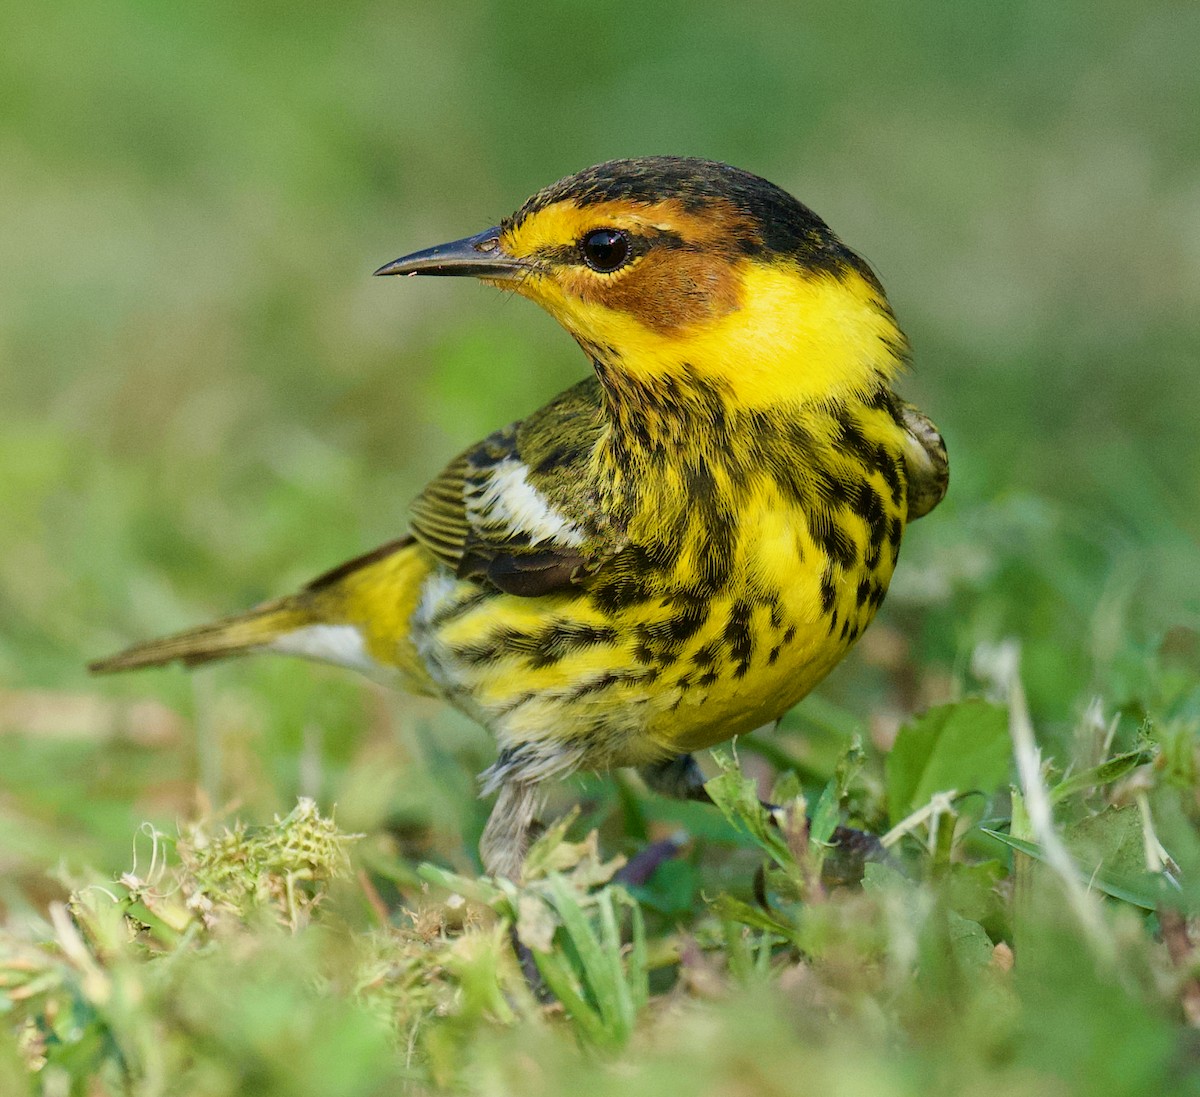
(605, 250)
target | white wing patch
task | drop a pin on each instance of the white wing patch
(507, 498)
(339, 644)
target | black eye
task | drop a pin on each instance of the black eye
(605, 250)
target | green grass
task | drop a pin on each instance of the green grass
(269, 959)
(205, 400)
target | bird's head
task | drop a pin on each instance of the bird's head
(666, 269)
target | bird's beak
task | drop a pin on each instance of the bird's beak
(478, 256)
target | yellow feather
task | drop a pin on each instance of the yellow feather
(798, 336)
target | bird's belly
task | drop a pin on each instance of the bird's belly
(564, 682)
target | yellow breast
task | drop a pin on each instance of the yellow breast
(624, 684)
(732, 600)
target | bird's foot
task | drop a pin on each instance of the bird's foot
(846, 863)
(642, 865)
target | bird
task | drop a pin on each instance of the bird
(675, 550)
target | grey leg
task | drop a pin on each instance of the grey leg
(679, 778)
(507, 834)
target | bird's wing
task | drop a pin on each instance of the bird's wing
(925, 461)
(516, 509)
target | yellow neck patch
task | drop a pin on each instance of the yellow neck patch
(779, 335)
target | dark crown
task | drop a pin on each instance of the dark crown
(776, 223)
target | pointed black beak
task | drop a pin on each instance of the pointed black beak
(478, 256)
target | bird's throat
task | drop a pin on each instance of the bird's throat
(798, 337)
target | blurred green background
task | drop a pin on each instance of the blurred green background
(205, 399)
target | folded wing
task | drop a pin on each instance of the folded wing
(925, 461)
(518, 509)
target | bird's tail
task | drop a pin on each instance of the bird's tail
(240, 635)
(354, 616)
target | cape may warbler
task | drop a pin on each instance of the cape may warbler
(673, 551)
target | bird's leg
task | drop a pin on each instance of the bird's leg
(505, 841)
(847, 861)
(681, 779)
(678, 778)
(506, 837)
